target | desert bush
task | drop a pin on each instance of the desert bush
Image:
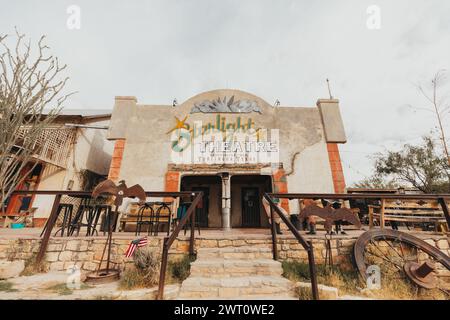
(145, 271)
(180, 269)
(349, 282)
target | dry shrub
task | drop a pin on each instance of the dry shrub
(304, 293)
(393, 287)
(180, 269)
(144, 273)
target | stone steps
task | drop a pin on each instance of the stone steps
(232, 287)
(219, 267)
(241, 273)
(235, 253)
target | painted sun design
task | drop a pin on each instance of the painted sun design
(180, 125)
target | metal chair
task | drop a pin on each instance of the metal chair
(68, 209)
(140, 218)
(108, 218)
(163, 206)
(77, 222)
(67, 217)
(100, 210)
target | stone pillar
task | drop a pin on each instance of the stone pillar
(226, 202)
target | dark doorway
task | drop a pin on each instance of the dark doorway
(250, 208)
(201, 214)
(208, 215)
(246, 200)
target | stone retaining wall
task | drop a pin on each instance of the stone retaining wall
(86, 252)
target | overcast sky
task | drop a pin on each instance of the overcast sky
(279, 49)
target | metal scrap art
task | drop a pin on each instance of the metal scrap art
(402, 255)
(226, 105)
(119, 192)
(330, 215)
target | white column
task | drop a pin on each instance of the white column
(226, 202)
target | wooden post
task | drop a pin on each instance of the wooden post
(382, 214)
(370, 217)
(48, 231)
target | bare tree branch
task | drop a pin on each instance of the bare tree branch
(29, 82)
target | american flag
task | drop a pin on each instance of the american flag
(137, 243)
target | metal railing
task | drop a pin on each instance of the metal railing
(189, 215)
(274, 209)
(308, 246)
(442, 199)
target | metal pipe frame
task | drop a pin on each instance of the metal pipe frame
(190, 215)
(306, 245)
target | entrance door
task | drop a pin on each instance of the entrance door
(250, 207)
(201, 215)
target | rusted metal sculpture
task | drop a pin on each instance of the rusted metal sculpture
(330, 215)
(404, 254)
(422, 274)
(119, 192)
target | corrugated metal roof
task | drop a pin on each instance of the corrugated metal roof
(85, 112)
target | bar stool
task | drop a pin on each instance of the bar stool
(68, 209)
(77, 222)
(67, 217)
(140, 218)
(108, 218)
(163, 206)
(99, 210)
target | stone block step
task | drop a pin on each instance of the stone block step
(203, 287)
(235, 253)
(220, 267)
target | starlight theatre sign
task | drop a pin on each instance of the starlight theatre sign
(223, 142)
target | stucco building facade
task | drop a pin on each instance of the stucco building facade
(231, 145)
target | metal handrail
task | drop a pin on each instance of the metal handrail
(190, 214)
(308, 246)
(441, 198)
(349, 196)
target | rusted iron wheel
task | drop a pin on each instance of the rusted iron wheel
(394, 252)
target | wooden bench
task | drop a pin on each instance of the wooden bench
(408, 211)
(128, 222)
